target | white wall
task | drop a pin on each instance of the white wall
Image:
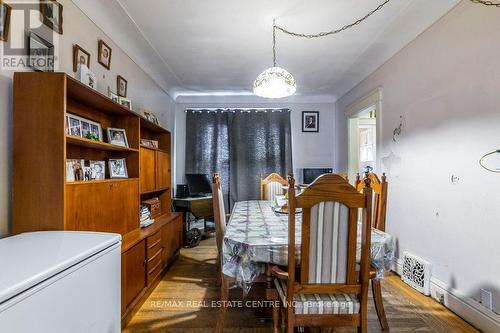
(446, 83)
(78, 29)
(308, 149)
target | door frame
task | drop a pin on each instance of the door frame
(373, 99)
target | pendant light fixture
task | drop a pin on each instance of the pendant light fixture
(276, 82)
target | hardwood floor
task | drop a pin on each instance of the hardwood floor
(182, 303)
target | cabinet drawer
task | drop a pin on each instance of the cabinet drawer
(154, 267)
(154, 240)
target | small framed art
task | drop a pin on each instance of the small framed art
(125, 102)
(117, 136)
(51, 14)
(104, 54)
(5, 11)
(121, 86)
(118, 168)
(310, 121)
(150, 116)
(41, 53)
(80, 57)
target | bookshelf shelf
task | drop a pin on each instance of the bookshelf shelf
(87, 143)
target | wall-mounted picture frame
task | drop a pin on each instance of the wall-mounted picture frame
(5, 11)
(80, 56)
(125, 102)
(117, 136)
(121, 86)
(151, 116)
(41, 53)
(83, 128)
(117, 168)
(51, 15)
(104, 54)
(310, 121)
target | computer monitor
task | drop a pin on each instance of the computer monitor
(199, 184)
(310, 174)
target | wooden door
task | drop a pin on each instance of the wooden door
(162, 170)
(171, 238)
(109, 206)
(147, 170)
(133, 273)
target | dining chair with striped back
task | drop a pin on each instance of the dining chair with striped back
(219, 219)
(271, 186)
(379, 188)
(328, 290)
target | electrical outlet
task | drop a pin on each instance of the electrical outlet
(487, 299)
(455, 179)
(439, 296)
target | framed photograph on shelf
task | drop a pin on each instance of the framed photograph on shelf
(83, 128)
(41, 53)
(80, 57)
(75, 170)
(121, 86)
(151, 116)
(117, 168)
(150, 143)
(114, 97)
(98, 169)
(117, 136)
(310, 121)
(125, 102)
(51, 14)
(5, 11)
(104, 54)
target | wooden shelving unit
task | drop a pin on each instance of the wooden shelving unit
(44, 200)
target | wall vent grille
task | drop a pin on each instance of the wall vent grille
(416, 273)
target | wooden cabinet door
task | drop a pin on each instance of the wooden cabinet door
(177, 233)
(147, 170)
(162, 170)
(110, 206)
(133, 273)
(171, 238)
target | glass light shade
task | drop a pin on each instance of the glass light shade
(274, 82)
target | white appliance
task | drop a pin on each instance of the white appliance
(60, 282)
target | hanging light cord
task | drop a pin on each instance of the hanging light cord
(332, 32)
(486, 155)
(486, 3)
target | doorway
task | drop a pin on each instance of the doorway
(364, 130)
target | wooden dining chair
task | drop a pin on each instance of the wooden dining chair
(219, 218)
(271, 186)
(379, 188)
(327, 291)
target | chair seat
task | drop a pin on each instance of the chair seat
(319, 303)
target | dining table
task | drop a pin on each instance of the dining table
(256, 236)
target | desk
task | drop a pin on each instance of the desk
(200, 207)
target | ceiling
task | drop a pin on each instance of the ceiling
(218, 47)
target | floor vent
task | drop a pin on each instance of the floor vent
(417, 273)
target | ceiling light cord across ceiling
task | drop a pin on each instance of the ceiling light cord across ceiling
(332, 32)
(486, 3)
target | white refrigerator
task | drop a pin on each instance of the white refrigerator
(60, 282)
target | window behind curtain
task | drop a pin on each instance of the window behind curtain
(241, 146)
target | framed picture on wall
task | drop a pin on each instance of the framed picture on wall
(104, 55)
(41, 53)
(51, 14)
(80, 57)
(310, 121)
(121, 86)
(5, 10)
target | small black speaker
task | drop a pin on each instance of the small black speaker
(182, 191)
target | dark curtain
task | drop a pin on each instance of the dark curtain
(207, 145)
(241, 146)
(260, 144)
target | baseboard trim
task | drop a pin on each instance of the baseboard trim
(465, 307)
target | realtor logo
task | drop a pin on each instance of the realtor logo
(30, 31)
